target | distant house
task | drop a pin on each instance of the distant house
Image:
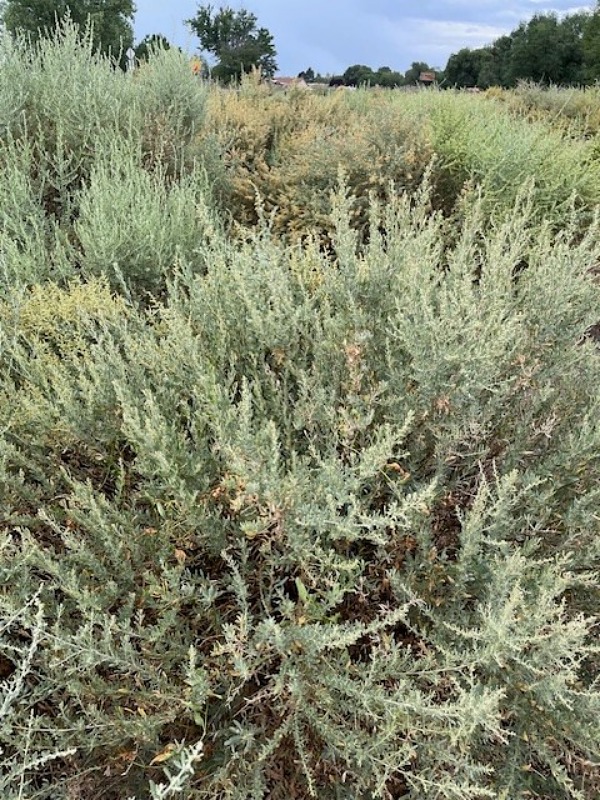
(280, 82)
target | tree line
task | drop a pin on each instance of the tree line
(233, 38)
(363, 75)
(546, 49)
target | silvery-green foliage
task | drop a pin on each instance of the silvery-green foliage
(64, 108)
(135, 225)
(477, 141)
(167, 86)
(334, 519)
(32, 245)
(69, 98)
(18, 765)
(178, 772)
(65, 99)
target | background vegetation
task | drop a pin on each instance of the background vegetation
(110, 22)
(235, 40)
(546, 49)
(299, 441)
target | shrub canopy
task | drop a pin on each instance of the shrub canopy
(290, 515)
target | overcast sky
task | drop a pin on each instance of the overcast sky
(330, 35)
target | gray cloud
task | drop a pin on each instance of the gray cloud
(331, 35)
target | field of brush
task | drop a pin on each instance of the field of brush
(299, 438)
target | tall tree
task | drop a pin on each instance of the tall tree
(150, 43)
(388, 78)
(462, 69)
(111, 20)
(235, 40)
(307, 74)
(591, 46)
(358, 74)
(497, 72)
(547, 50)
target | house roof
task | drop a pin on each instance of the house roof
(280, 80)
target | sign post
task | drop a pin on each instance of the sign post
(130, 53)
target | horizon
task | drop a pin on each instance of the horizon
(377, 33)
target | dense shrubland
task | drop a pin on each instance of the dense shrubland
(288, 150)
(573, 111)
(299, 497)
(548, 48)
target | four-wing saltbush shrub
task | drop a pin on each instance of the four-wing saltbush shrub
(308, 527)
(135, 224)
(288, 150)
(285, 514)
(79, 137)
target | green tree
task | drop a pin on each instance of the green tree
(307, 74)
(111, 20)
(482, 67)
(358, 74)
(388, 78)
(547, 50)
(235, 40)
(150, 43)
(497, 71)
(591, 46)
(462, 69)
(487, 72)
